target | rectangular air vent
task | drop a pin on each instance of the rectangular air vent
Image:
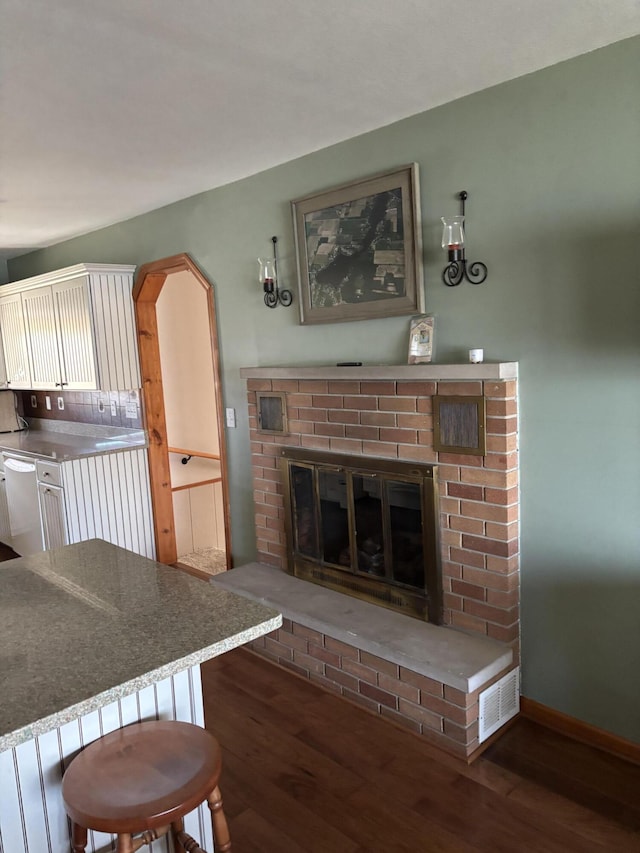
(499, 703)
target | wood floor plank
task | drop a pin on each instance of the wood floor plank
(305, 770)
(290, 817)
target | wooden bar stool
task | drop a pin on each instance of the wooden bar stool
(145, 778)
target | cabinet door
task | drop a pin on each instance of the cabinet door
(75, 330)
(14, 340)
(5, 524)
(52, 511)
(42, 338)
(3, 371)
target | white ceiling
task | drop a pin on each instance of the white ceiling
(111, 108)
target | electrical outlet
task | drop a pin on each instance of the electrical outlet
(34, 401)
(47, 402)
(61, 403)
(114, 409)
(231, 418)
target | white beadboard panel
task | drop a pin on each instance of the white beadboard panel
(42, 338)
(3, 379)
(108, 497)
(5, 525)
(53, 514)
(14, 341)
(73, 315)
(221, 542)
(203, 517)
(115, 331)
(182, 522)
(32, 817)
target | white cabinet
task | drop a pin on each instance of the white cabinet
(5, 524)
(97, 497)
(59, 336)
(52, 512)
(3, 371)
(73, 329)
(14, 341)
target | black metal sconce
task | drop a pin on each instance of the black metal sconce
(453, 240)
(269, 281)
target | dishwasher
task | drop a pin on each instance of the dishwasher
(24, 509)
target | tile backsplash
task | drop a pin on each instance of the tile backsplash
(108, 408)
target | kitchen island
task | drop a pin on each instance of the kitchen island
(94, 637)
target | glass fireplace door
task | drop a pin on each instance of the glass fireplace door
(372, 534)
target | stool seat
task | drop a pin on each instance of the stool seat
(142, 777)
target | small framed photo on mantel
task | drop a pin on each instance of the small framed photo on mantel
(421, 331)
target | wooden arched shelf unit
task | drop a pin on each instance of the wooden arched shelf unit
(149, 282)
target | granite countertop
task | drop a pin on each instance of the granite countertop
(61, 446)
(86, 624)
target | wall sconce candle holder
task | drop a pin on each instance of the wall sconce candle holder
(453, 238)
(269, 280)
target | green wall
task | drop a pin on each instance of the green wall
(551, 162)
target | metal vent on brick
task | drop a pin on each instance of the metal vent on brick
(499, 703)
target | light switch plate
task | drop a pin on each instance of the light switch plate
(231, 418)
(34, 401)
(47, 402)
(61, 403)
(131, 410)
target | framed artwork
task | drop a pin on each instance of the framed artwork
(421, 339)
(359, 249)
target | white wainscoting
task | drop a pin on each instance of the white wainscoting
(109, 497)
(32, 816)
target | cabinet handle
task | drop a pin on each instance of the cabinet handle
(58, 384)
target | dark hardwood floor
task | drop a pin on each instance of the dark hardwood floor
(307, 772)
(7, 553)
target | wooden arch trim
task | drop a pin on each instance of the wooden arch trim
(149, 282)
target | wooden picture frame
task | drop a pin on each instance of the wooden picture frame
(421, 339)
(459, 424)
(359, 249)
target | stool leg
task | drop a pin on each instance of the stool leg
(220, 828)
(125, 843)
(78, 838)
(177, 828)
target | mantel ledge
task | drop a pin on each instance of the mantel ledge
(487, 371)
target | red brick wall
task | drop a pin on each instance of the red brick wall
(393, 419)
(440, 713)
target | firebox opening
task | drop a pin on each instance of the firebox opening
(365, 526)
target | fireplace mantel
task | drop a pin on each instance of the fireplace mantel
(487, 371)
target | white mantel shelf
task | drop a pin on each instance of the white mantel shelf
(499, 370)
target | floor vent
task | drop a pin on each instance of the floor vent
(499, 703)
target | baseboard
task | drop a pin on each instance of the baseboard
(580, 731)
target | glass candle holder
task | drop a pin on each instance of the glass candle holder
(453, 233)
(267, 275)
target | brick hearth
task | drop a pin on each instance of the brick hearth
(387, 412)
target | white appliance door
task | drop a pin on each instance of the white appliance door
(24, 511)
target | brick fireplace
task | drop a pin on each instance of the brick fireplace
(387, 412)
